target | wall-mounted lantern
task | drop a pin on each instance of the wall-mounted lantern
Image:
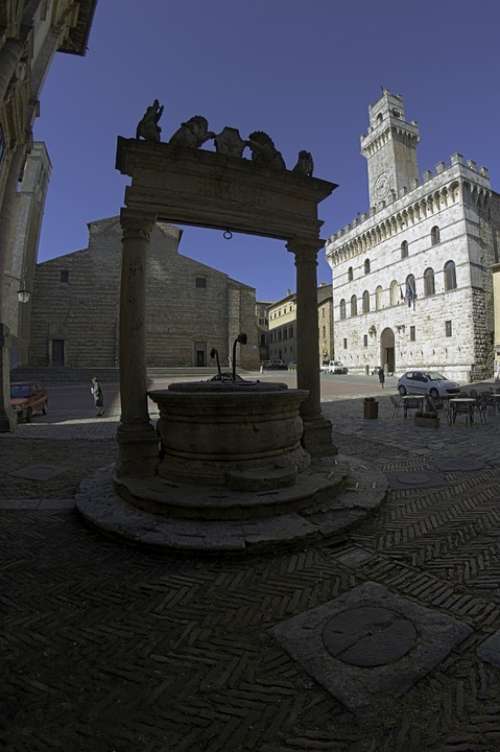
(23, 294)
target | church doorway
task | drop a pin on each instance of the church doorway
(387, 351)
(57, 358)
(201, 354)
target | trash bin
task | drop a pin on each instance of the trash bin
(370, 407)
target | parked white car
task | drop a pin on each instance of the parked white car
(336, 366)
(427, 382)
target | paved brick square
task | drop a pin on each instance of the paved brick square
(106, 646)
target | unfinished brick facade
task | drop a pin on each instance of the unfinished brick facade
(191, 307)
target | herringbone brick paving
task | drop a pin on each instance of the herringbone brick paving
(106, 647)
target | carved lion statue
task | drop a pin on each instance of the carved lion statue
(305, 164)
(148, 127)
(264, 152)
(193, 133)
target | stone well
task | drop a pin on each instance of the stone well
(221, 433)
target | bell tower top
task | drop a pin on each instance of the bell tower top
(390, 148)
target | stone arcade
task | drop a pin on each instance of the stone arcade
(226, 447)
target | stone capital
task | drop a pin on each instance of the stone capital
(305, 249)
(136, 225)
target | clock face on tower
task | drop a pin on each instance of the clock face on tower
(381, 185)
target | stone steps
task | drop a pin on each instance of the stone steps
(161, 497)
(326, 517)
(53, 375)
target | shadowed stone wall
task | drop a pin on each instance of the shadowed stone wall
(190, 306)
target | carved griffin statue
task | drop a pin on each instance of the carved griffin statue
(148, 127)
(305, 164)
(264, 152)
(193, 133)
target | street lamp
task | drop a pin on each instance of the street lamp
(23, 294)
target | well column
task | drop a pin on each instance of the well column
(317, 438)
(137, 440)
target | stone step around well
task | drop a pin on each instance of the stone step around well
(322, 520)
(161, 497)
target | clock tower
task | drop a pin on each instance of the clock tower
(390, 148)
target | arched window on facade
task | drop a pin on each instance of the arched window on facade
(354, 306)
(366, 301)
(429, 287)
(450, 276)
(350, 274)
(378, 298)
(367, 266)
(342, 309)
(404, 249)
(435, 235)
(394, 292)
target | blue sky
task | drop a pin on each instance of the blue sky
(303, 72)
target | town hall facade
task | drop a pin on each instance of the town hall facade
(412, 285)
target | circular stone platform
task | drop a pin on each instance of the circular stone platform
(335, 494)
(369, 636)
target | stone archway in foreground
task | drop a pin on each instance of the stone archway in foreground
(187, 185)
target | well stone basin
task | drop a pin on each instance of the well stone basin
(210, 430)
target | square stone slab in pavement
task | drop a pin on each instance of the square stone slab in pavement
(369, 643)
(354, 557)
(38, 472)
(489, 650)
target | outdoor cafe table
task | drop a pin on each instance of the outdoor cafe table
(406, 401)
(452, 412)
(496, 397)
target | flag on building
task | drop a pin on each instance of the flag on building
(410, 291)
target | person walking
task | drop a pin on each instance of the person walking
(96, 392)
(381, 377)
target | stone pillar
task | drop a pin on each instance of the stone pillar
(8, 420)
(10, 55)
(137, 440)
(317, 438)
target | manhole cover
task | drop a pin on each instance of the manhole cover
(422, 479)
(369, 636)
(458, 464)
(412, 479)
(38, 472)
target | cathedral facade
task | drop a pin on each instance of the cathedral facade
(412, 283)
(190, 309)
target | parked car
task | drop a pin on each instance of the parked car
(427, 382)
(27, 399)
(335, 366)
(271, 365)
